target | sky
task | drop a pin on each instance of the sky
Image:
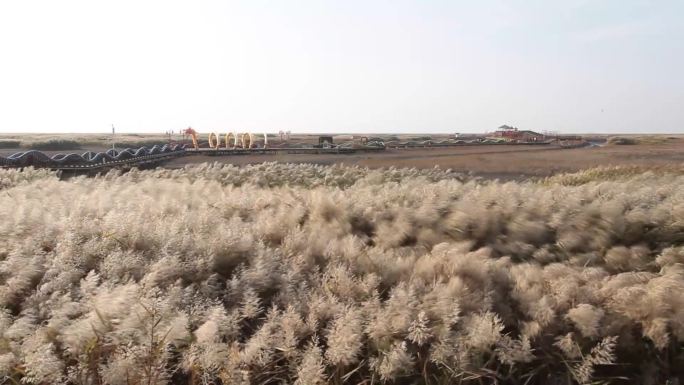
(575, 66)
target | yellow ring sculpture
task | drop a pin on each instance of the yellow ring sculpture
(244, 140)
(247, 140)
(214, 141)
(230, 136)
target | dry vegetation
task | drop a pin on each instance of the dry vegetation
(489, 161)
(643, 139)
(76, 142)
(9, 143)
(278, 274)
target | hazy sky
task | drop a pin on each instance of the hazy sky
(341, 66)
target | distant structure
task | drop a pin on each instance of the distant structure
(325, 141)
(360, 139)
(512, 134)
(462, 136)
(284, 135)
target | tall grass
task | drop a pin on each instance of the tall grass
(277, 274)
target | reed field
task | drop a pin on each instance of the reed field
(303, 274)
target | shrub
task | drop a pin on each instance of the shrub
(52, 145)
(9, 143)
(621, 140)
(141, 143)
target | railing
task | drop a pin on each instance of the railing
(91, 160)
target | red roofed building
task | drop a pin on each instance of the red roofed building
(513, 134)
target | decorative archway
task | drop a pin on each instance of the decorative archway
(214, 140)
(230, 136)
(247, 140)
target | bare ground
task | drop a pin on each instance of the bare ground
(503, 162)
(491, 161)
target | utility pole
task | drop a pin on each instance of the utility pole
(113, 141)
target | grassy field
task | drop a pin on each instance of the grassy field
(502, 162)
(75, 142)
(281, 273)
